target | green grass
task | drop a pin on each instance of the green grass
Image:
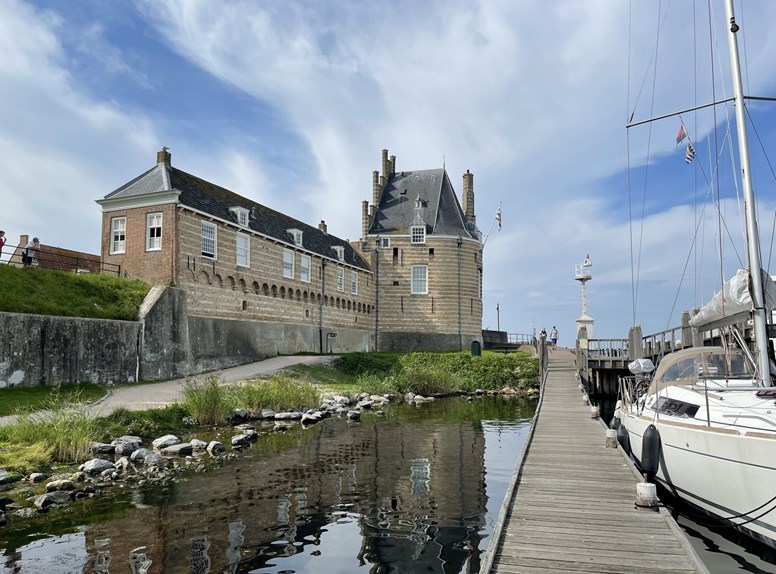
(46, 292)
(208, 402)
(278, 393)
(27, 399)
(63, 433)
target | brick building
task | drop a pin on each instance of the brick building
(426, 255)
(238, 260)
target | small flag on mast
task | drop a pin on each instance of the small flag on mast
(689, 154)
(681, 135)
(498, 217)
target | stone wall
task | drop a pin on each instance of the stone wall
(39, 350)
(166, 342)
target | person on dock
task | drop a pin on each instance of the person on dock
(554, 338)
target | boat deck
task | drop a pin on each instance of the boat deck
(570, 505)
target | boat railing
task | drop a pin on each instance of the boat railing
(632, 388)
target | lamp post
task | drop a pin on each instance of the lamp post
(498, 321)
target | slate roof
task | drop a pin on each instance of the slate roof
(215, 200)
(440, 208)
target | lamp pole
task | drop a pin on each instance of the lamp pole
(498, 321)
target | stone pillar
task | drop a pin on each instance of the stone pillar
(635, 350)
(376, 188)
(386, 167)
(393, 165)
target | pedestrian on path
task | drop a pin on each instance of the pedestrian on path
(554, 338)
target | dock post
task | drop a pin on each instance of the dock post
(611, 438)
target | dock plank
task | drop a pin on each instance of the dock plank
(572, 503)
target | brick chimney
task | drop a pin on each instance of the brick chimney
(376, 188)
(386, 165)
(393, 164)
(468, 197)
(322, 226)
(364, 219)
(163, 156)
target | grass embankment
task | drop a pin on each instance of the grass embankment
(34, 442)
(46, 292)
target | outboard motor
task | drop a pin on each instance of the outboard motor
(650, 452)
(624, 439)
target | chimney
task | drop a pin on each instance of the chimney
(468, 197)
(163, 156)
(393, 164)
(364, 219)
(322, 226)
(386, 166)
(376, 188)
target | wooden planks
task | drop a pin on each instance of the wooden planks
(571, 506)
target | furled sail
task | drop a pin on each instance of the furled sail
(734, 302)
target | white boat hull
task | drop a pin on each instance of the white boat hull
(728, 474)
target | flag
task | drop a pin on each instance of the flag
(681, 135)
(498, 218)
(689, 154)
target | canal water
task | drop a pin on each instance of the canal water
(417, 489)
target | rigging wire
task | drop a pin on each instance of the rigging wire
(627, 148)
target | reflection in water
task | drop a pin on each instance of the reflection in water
(414, 491)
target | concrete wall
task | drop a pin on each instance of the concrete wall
(403, 342)
(166, 342)
(39, 350)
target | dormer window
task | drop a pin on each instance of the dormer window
(340, 251)
(241, 215)
(418, 234)
(297, 235)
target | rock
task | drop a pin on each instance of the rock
(409, 397)
(288, 416)
(6, 478)
(103, 448)
(244, 427)
(354, 415)
(155, 460)
(140, 454)
(63, 484)
(180, 449)
(128, 438)
(96, 466)
(36, 477)
(241, 440)
(126, 448)
(282, 426)
(239, 415)
(109, 474)
(25, 512)
(165, 441)
(341, 399)
(267, 414)
(214, 447)
(311, 418)
(2, 518)
(52, 499)
(197, 444)
(124, 464)
(365, 404)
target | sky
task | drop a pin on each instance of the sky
(290, 102)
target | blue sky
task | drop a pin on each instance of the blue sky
(290, 103)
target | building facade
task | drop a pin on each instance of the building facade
(413, 281)
(426, 255)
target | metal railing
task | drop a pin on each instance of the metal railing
(607, 348)
(70, 263)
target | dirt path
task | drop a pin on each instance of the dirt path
(156, 395)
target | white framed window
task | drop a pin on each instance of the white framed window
(153, 232)
(118, 234)
(385, 242)
(297, 235)
(340, 279)
(243, 250)
(288, 264)
(340, 251)
(241, 215)
(305, 263)
(419, 280)
(417, 234)
(354, 282)
(209, 239)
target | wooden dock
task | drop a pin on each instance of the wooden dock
(570, 506)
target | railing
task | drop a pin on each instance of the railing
(664, 342)
(607, 348)
(520, 339)
(72, 263)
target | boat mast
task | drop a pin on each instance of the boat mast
(752, 233)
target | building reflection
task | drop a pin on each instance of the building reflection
(413, 492)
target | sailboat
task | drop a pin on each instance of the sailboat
(704, 426)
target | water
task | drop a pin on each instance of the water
(415, 490)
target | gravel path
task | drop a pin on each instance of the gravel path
(156, 395)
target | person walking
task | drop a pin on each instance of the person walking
(554, 338)
(2, 242)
